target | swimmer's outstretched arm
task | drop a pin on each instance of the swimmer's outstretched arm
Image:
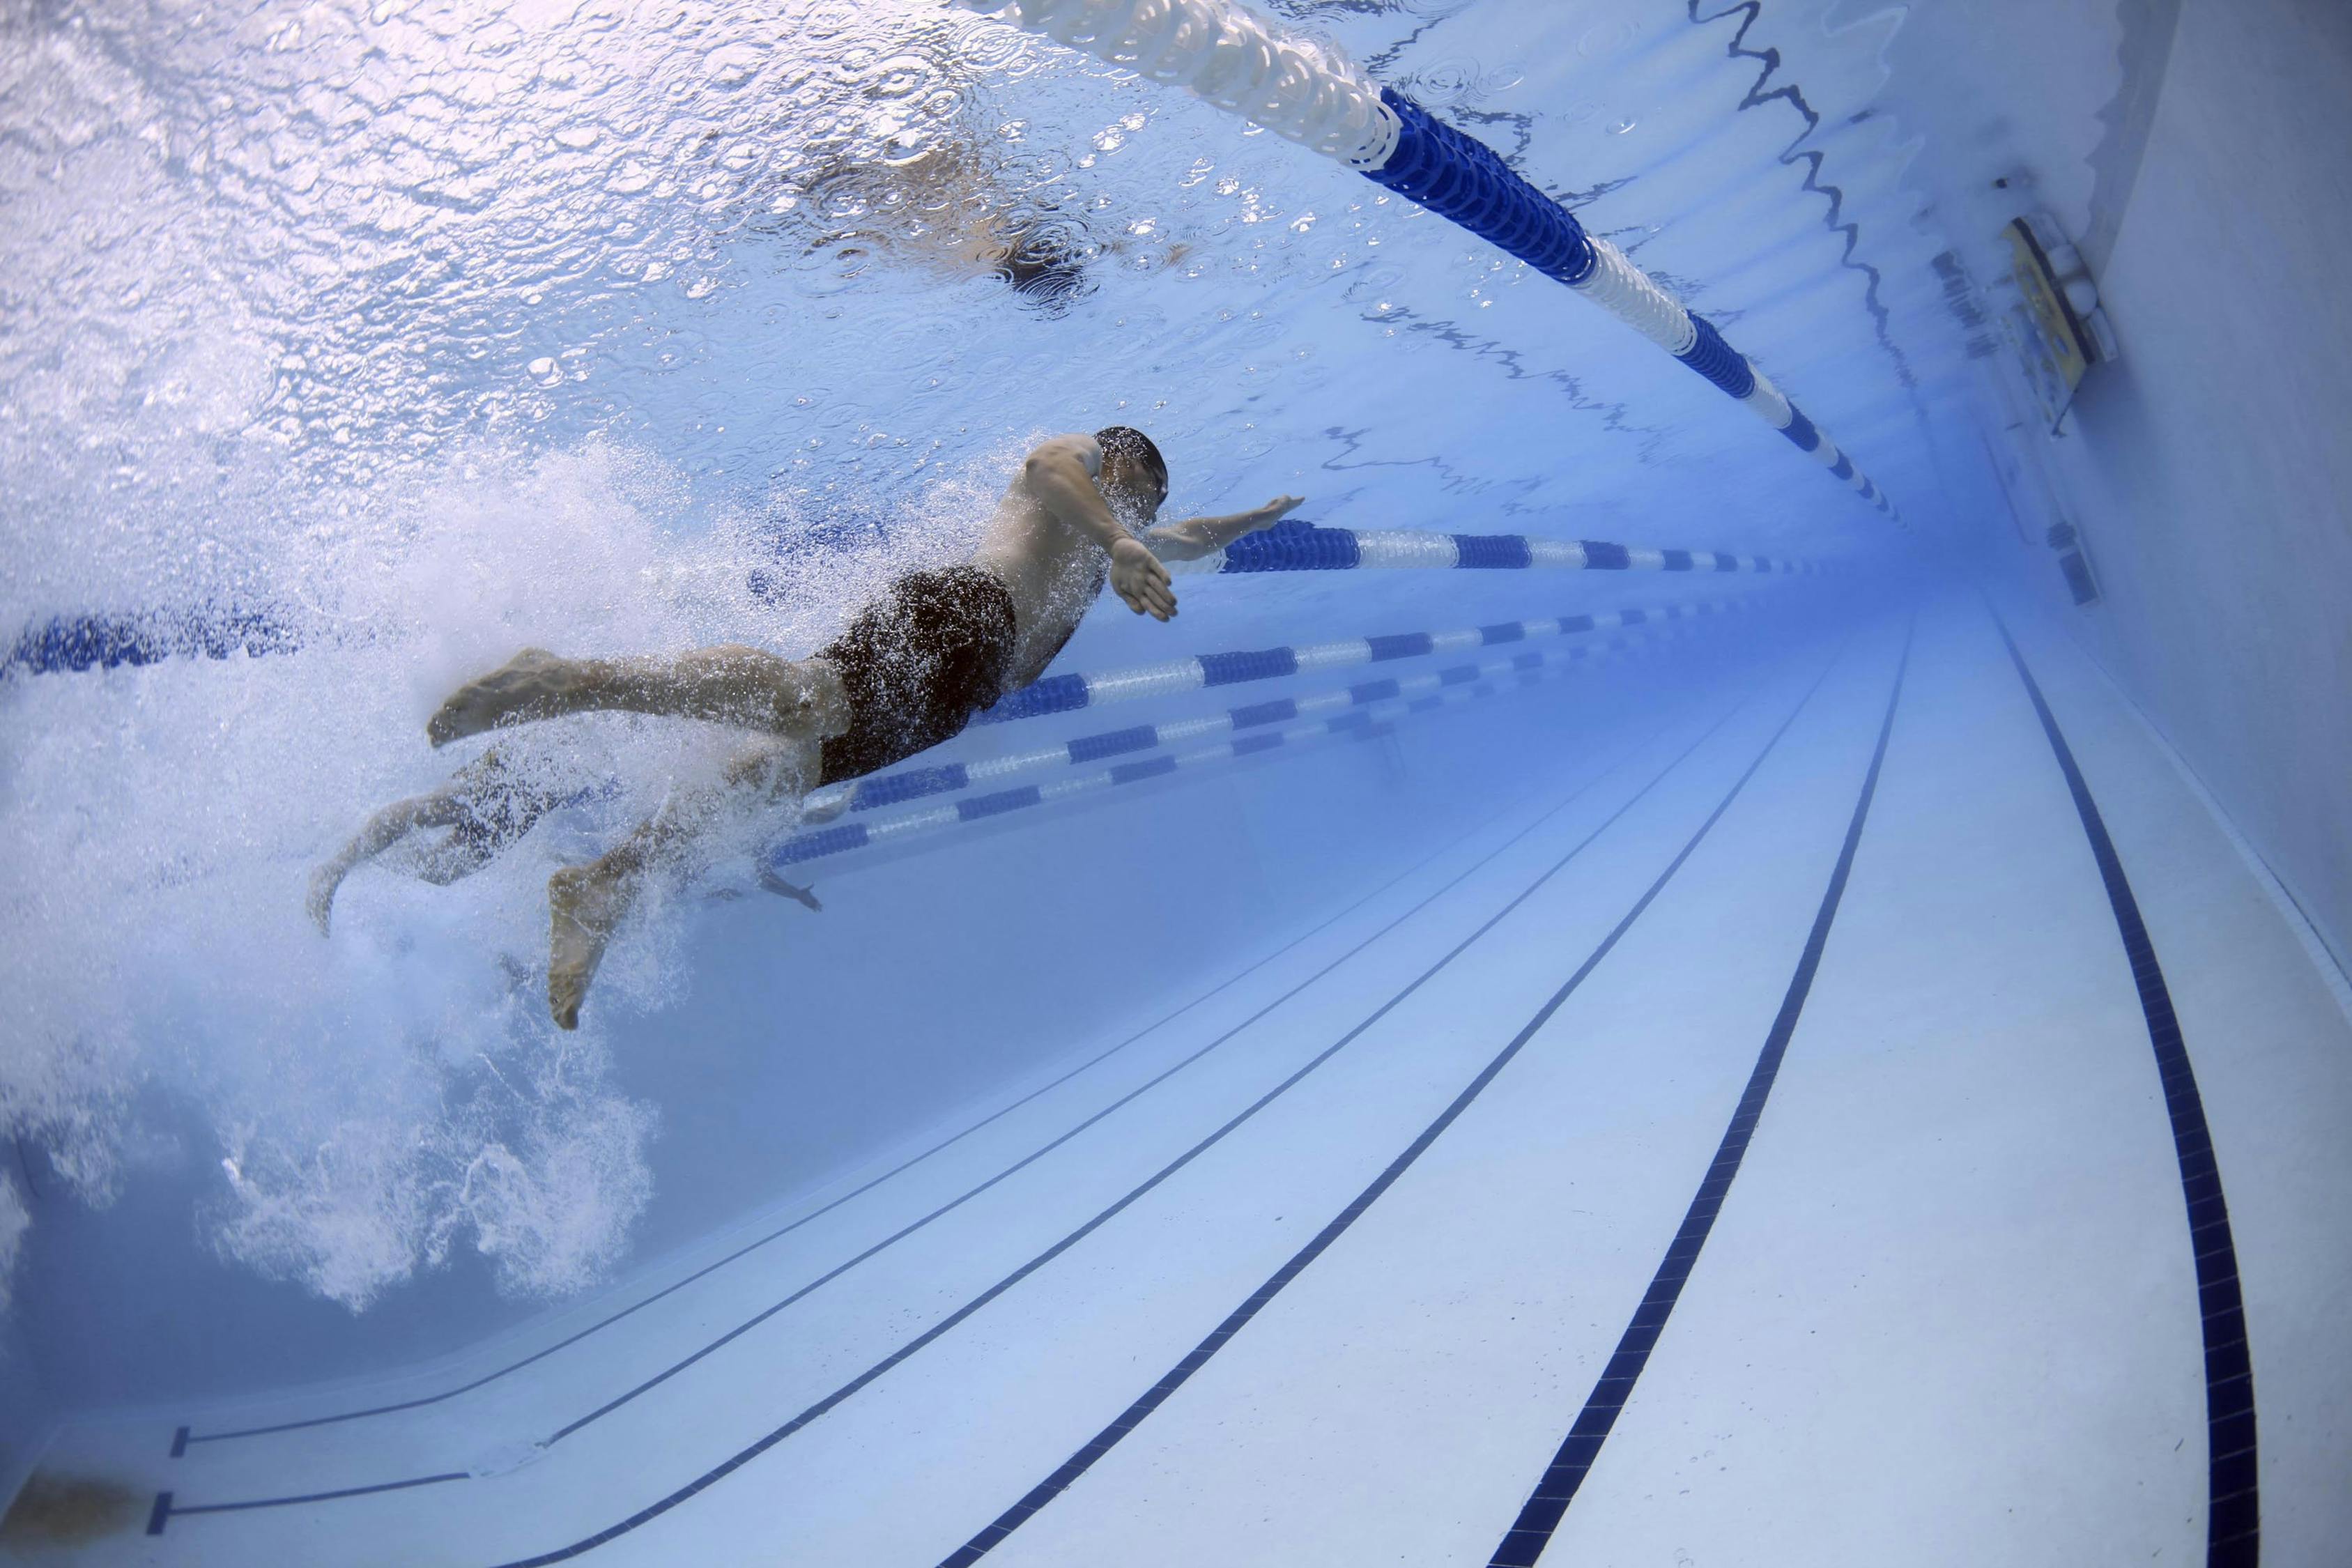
(1197, 536)
(783, 890)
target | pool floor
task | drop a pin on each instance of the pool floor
(1763, 1144)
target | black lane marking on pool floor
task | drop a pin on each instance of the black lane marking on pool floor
(745, 1456)
(1040, 1152)
(1136, 1414)
(1572, 1461)
(184, 1436)
(2233, 1502)
(166, 1510)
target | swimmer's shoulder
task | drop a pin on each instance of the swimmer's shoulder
(1084, 448)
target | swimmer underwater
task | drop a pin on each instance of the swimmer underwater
(911, 670)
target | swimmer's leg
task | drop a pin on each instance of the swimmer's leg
(476, 835)
(477, 839)
(585, 904)
(730, 685)
(384, 829)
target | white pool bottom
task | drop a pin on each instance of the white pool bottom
(1948, 1314)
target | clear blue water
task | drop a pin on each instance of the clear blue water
(431, 330)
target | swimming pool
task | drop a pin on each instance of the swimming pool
(1704, 997)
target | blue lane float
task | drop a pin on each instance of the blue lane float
(74, 643)
(71, 643)
(1363, 711)
(897, 788)
(1227, 56)
(1306, 547)
(1068, 694)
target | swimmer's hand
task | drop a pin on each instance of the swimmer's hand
(1140, 581)
(783, 890)
(1272, 512)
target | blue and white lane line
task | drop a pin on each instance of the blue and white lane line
(1363, 713)
(106, 642)
(1068, 694)
(1304, 93)
(1292, 546)
(881, 790)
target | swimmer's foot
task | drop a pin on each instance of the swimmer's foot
(532, 685)
(585, 905)
(321, 900)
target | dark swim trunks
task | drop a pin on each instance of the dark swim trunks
(917, 663)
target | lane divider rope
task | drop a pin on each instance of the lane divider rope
(75, 642)
(1302, 91)
(1291, 546)
(1363, 711)
(1068, 694)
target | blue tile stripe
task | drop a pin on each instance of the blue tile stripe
(1540, 1517)
(166, 1509)
(1043, 1494)
(1070, 692)
(2233, 1498)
